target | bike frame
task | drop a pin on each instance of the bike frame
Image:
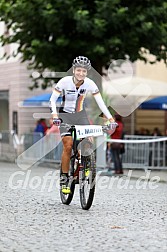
(85, 172)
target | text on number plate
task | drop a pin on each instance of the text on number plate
(88, 130)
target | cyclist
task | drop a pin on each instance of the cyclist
(74, 89)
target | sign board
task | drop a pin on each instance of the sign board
(88, 130)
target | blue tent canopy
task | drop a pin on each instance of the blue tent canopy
(159, 103)
(39, 101)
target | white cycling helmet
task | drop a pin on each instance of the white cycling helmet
(82, 61)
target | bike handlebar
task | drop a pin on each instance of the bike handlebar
(104, 127)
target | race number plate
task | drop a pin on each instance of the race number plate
(88, 130)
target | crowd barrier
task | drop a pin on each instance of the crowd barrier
(146, 152)
(8, 146)
(143, 152)
(41, 149)
(140, 151)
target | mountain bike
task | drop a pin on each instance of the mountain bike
(82, 163)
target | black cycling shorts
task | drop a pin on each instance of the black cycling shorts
(78, 118)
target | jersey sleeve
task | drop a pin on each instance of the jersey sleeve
(56, 93)
(52, 102)
(59, 86)
(96, 93)
(93, 88)
(102, 106)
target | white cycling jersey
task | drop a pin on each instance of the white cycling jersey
(73, 97)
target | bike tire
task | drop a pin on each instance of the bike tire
(87, 184)
(67, 198)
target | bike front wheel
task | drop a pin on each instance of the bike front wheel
(87, 180)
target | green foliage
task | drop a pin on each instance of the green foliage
(51, 33)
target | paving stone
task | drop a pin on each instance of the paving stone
(123, 217)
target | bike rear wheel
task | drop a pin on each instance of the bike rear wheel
(67, 198)
(87, 180)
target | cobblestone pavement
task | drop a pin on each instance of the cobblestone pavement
(126, 215)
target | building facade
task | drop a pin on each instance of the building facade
(15, 80)
(149, 119)
(14, 88)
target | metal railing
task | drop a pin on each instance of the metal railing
(8, 146)
(42, 149)
(145, 154)
(138, 154)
